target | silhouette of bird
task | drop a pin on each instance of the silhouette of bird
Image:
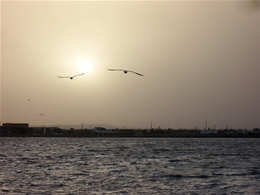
(125, 71)
(71, 77)
(28, 100)
(41, 115)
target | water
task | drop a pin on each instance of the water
(129, 166)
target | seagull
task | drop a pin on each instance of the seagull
(71, 76)
(41, 115)
(125, 71)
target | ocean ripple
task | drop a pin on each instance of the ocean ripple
(129, 166)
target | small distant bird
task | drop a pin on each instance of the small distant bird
(71, 76)
(41, 115)
(125, 71)
(28, 100)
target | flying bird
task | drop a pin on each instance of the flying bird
(126, 71)
(41, 115)
(71, 76)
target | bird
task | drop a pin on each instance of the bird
(71, 77)
(125, 71)
(28, 100)
(41, 115)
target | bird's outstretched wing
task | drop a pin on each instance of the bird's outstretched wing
(112, 69)
(63, 77)
(70, 77)
(136, 73)
(78, 75)
(41, 115)
(125, 71)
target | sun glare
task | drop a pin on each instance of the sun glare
(85, 65)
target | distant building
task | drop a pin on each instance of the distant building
(15, 125)
(47, 130)
(228, 132)
(15, 128)
(101, 130)
(208, 132)
(256, 131)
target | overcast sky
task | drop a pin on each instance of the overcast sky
(200, 61)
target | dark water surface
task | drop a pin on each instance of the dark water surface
(129, 166)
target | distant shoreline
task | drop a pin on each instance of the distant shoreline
(130, 136)
(23, 130)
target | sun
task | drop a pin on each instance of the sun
(85, 65)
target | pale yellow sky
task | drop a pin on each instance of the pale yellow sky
(200, 60)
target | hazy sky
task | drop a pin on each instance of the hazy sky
(200, 60)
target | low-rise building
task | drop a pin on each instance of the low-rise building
(208, 132)
(102, 130)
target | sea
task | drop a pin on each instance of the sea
(49, 165)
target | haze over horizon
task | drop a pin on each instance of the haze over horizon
(200, 61)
